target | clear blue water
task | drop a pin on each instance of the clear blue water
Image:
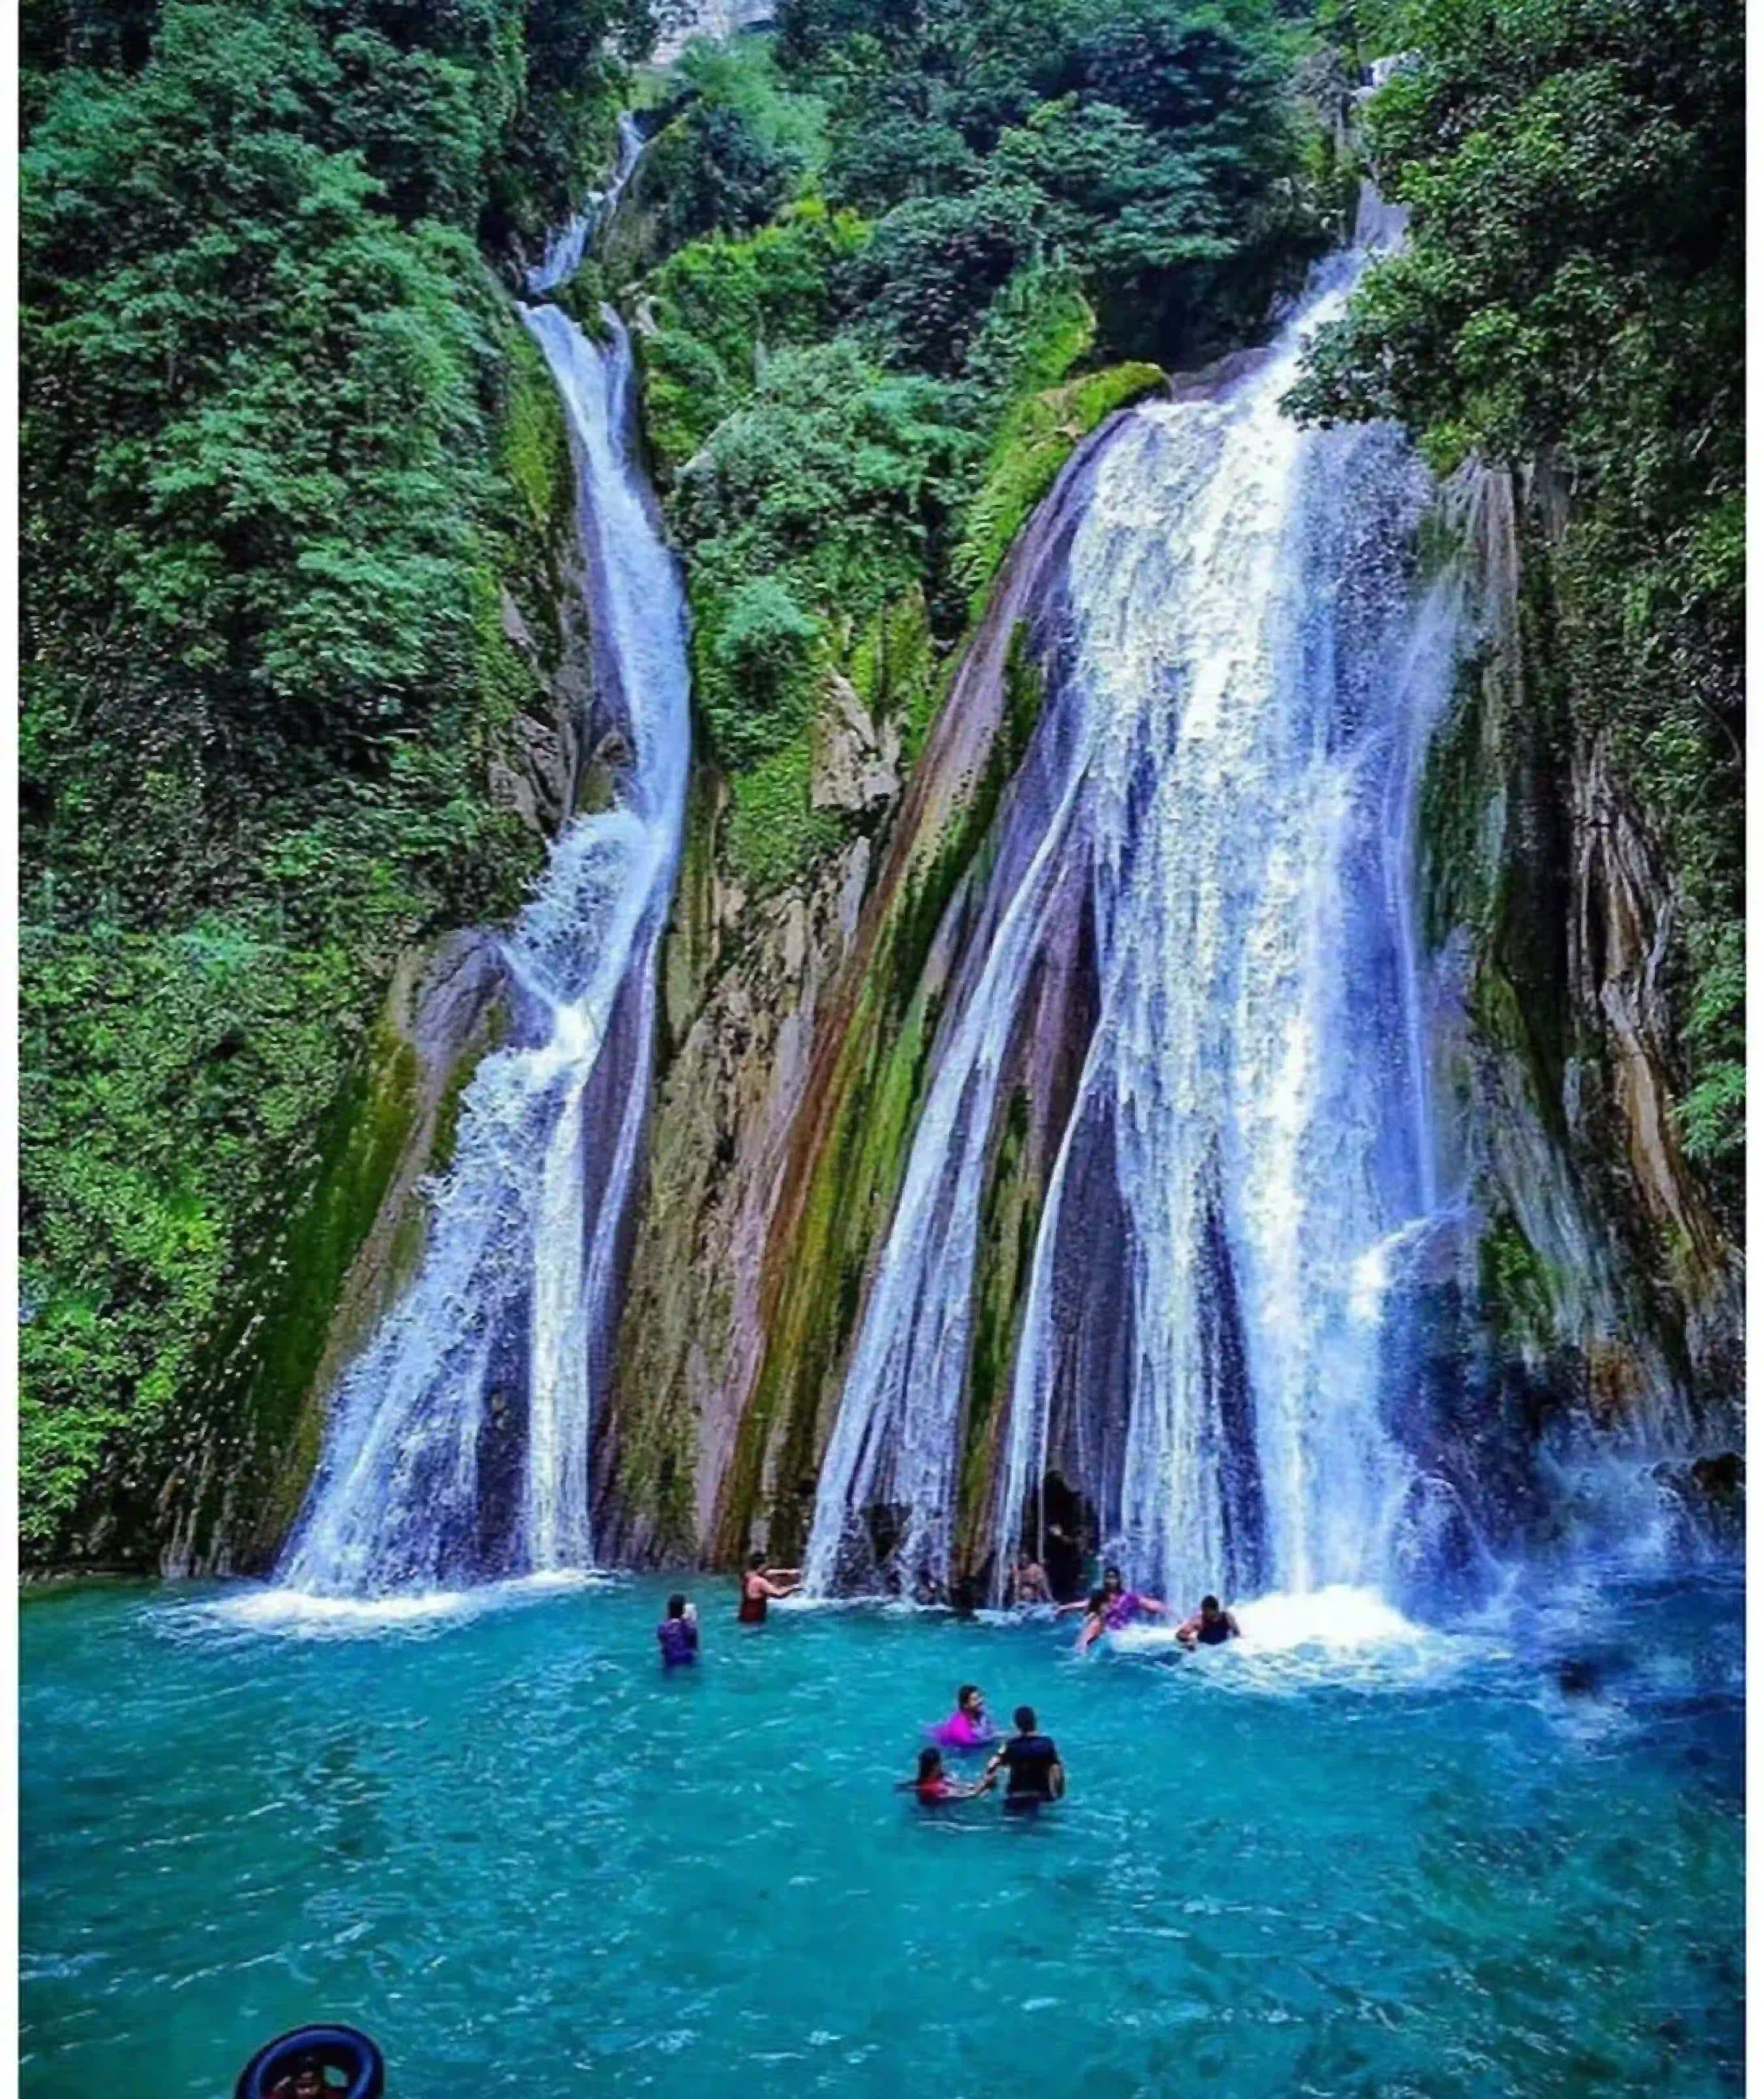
(528, 1863)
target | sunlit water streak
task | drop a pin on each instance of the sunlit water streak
(532, 1864)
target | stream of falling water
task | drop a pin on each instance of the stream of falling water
(459, 1444)
(565, 250)
(1225, 772)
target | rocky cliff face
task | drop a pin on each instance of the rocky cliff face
(718, 19)
(800, 1030)
(1584, 1286)
(1588, 1300)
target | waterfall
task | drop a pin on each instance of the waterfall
(565, 250)
(458, 1441)
(1240, 683)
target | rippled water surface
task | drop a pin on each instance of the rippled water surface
(528, 1863)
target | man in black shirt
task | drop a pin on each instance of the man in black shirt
(1032, 1767)
(1212, 1626)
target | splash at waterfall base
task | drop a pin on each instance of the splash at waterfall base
(531, 1862)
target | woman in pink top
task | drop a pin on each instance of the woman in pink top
(967, 1728)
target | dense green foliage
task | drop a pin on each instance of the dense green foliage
(853, 406)
(289, 463)
(283, 444)
(1571, 298)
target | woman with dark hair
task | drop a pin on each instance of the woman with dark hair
(760, 1584)
(934, 1785)
(967, 1728)
(678, 1634)
(1110, 1607)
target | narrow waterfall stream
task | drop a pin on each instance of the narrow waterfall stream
(459, 1443)
(565, 250)
(1239, 687)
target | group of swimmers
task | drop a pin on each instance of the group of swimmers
(677, 1635)
(1034, 1775)
(1114, 1606)
(1029, 1759)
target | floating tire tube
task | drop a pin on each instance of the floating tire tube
(340, 2048)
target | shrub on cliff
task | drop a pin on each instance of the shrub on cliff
(858, 403)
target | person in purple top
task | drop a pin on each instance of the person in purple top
(1111, 1607)
(678, 1634)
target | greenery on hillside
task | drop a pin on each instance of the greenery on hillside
(967, 205)
(1572, 296)
(283, 444)
(289, 464)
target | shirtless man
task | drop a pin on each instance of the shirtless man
(1028, 1583)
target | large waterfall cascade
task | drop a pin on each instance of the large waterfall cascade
(458, 1447)
(1224, 778)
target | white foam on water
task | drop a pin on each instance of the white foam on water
(1338, 1618)
(1339, 1635)
(299, 1614)
(883, 1606)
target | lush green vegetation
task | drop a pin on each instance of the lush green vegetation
(980, 220)
(283, 446)
(1570, 302)
(288, 463)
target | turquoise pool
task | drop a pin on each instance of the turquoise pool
(504, 1842)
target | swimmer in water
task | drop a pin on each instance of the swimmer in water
(1212, 1626)
(678, 1634)
(967, 1728)
(1029, 1582)
(1031, 1761)
(761, 1582)
(934, 1785)
(1092, 1607)
(1112, 1606)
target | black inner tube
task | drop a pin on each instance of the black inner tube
(328, 2048)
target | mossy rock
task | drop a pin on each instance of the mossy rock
(248, 1435)
(1039, 435)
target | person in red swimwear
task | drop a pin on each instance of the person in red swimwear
(934, 1784)
(761, 1583)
